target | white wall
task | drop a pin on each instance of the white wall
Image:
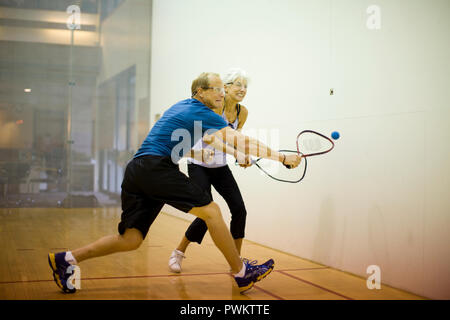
(381, 197)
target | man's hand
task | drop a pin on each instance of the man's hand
(291, 161)
(207, 155)
(204, 155)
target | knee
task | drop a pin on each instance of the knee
(132, 239)
(210, 211)
(239, 217)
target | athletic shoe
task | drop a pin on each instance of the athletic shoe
(253, 273)
(61, 271)
(175, 261)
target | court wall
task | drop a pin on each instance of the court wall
(381, 197)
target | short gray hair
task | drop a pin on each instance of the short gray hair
(202, 81)
(233, 74)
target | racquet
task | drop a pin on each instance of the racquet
(309, 143)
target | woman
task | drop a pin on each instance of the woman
(216, 173)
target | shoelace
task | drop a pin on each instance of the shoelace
(178, 255)
(248, 262)
(251, 266)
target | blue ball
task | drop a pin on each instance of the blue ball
(335, 135)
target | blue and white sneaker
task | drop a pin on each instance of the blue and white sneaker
(61, 271)
(253, 273)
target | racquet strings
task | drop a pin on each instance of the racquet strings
(311, 143)
(276, 170)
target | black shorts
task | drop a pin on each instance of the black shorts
(223, 181)
(149, 183)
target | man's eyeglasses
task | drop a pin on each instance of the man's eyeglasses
(216, 89)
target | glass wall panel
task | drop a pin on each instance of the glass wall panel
(74, 80)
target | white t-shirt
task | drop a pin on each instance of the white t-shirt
(220, 158)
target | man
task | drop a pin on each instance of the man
(152, 179)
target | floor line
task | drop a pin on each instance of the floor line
(150, 276)
(268, 292)
(315, 285)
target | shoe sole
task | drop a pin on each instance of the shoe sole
(246, 288)
(174, 270)
(250, 285)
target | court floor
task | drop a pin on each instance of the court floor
(28, 234)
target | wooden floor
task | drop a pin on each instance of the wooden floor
(27, 235)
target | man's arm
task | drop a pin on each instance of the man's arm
(248, 146)
(219, 144)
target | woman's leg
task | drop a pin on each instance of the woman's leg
(198, 228)
(225, 184)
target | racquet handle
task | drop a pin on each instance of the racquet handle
(252, 162)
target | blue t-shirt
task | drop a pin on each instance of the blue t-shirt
(180, 127)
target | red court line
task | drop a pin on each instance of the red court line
(121, 277)
(24, 281)
(268, 292)
(149, 276)
(157, 276)
(204, 274)
(315, 285)
(302, 269)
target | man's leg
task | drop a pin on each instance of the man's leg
(245, 274)
(219, 233)
(238, 243)
(130, 240)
